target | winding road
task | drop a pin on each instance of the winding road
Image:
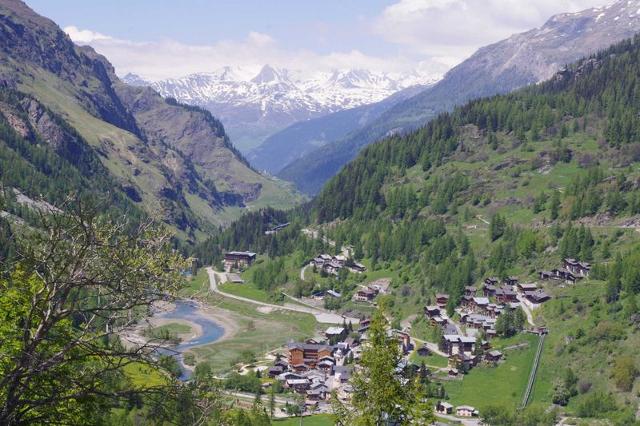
(320, 315)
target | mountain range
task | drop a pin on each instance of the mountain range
(65, 111)
(522, 59)
(255, 106)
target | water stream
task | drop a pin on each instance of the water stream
(211, 332)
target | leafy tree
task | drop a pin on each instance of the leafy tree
(624, 372)
(76, 286)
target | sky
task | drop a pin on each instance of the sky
(159, 39)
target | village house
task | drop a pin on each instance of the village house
(442, 300)
(576, 267)
(275, 229)
(489, 287)
(479, 304)
(238, 260)
(525, 287)
(338, 333)
(505, 295)
(357, 268)
(462, 361)
(307, 354)
(366, 294)
(493, 356)
(470, 291)
(444, 408)
(511, 281)
(536, 296)
(334, 293)
(466, 411)
(454, 343)
(431, 311)
(423, 351)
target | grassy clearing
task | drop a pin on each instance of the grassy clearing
(246, 289)
(501, 385)
(258, 333)
(198, 285)
(142, 376)
(432, 361)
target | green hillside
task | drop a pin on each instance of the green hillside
(509, 185)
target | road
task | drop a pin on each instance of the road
(459, 420)
(302, 271)
(320, 315)
(526, 309)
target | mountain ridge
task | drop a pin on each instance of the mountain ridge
(522, 59)
(253, 108)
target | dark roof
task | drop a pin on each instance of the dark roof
(309, 346)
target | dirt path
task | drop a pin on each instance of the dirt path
(320, 315)
(526, 309)
(302, 271)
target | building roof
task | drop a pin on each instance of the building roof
(495, 353)
(309, 346)
(242, 253)
(334, 293)
(481, 300)
(445, 404)
(465, 407)
(334, 330)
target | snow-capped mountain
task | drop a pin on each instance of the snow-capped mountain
(254, 105)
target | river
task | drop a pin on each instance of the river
(211, 332)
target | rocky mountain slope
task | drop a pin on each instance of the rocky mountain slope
(254, 106)
(173, 162)
(292, 143)
(522, 59)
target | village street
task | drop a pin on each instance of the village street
(321, 315)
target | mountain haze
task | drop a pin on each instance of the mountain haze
(255, 105)
(522, 59)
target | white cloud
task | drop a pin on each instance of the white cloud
(168, 58)
(453, 29)
(428, 35)
(84, 36)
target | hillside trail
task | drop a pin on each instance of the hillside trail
(321, 315)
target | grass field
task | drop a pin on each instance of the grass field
(433, 360)
(143, 377)
(317, 420)
(248, 290)
(258, 333)
(502, 385)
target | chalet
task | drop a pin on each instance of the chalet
(523, 287)
(576, 267)
(442, 300)
(439, 321)
(336, 333)
(357, 268)
(444, 408)
(307, 354)
(432, 311)
(493, 356)
(238, 260)
(564, 275)
(462, 361)
(491, 281)
(479, 304)
(298, 385)
(364, 325)
(488, 290)
(453, 344)
(537, 296)
(505, 295)
(512, 281)
(404, 339)
(276, 371)
(452, 372)
(326, 365)
(332, 267)
(316, 394)
(470, 291)
(545, 275)
(466, 411)
(287, 375)
(365, 295)
(340, 260)
(466, 301)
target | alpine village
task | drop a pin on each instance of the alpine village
(313, 244)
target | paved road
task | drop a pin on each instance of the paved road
(320, 315)
(458, 420)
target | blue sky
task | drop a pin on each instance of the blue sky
(161, 39)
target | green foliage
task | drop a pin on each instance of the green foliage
(510, 323)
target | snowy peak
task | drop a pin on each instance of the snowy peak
(268, 74)
(253, 104)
